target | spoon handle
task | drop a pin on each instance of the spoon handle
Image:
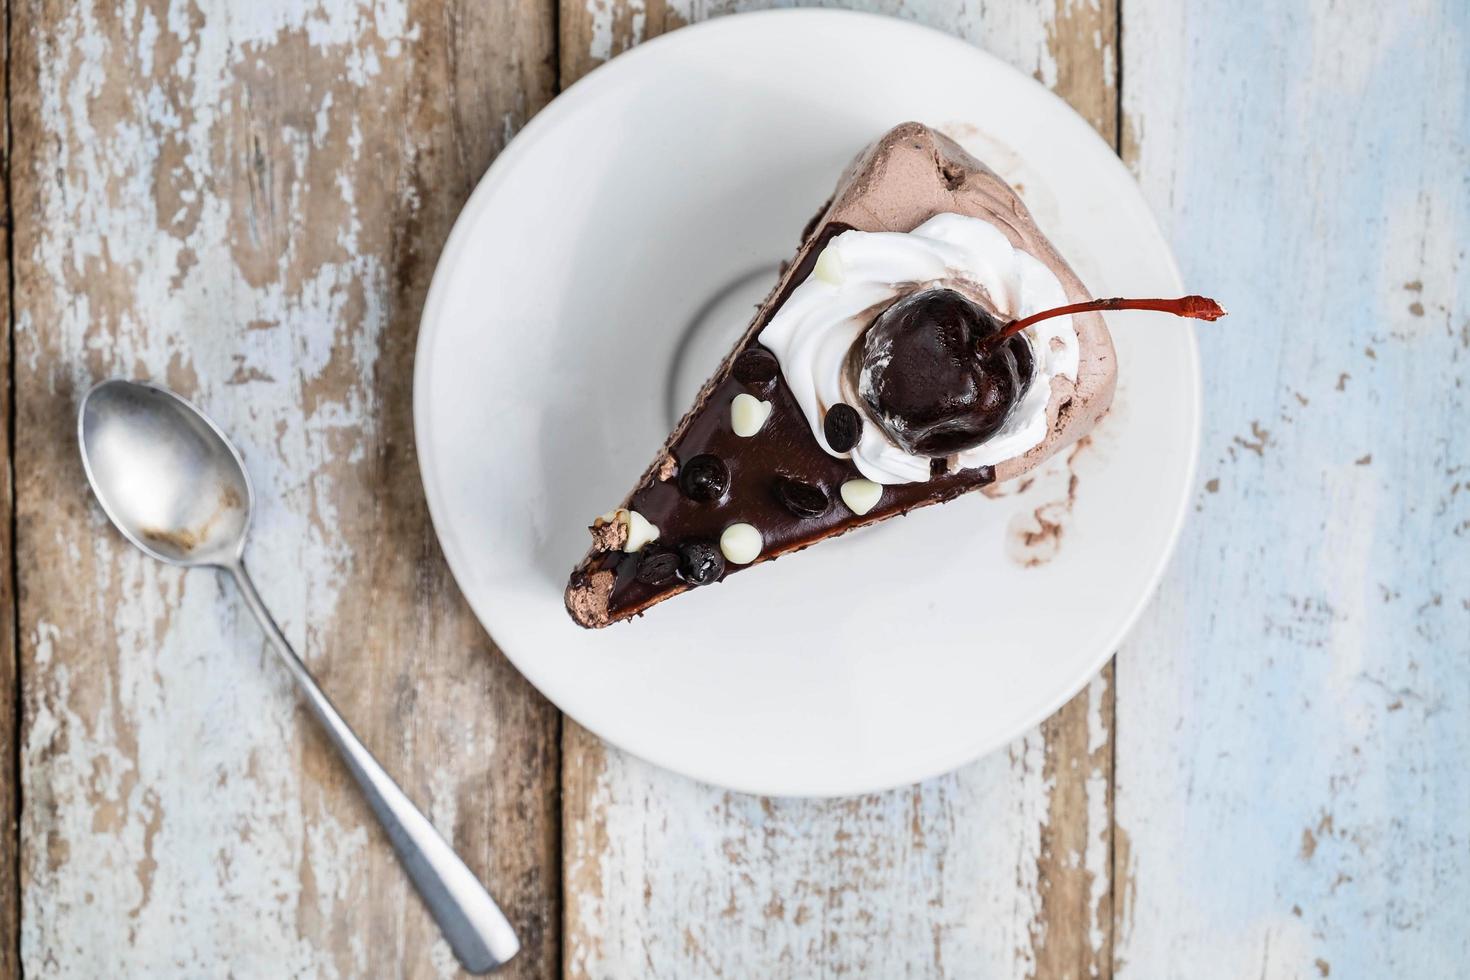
(477, 930)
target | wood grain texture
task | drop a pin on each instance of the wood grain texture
(246, 201)
(957, 876)
(1000, 869)
(1293, 717)
(9, 673)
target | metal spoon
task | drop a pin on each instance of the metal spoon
(177, 488)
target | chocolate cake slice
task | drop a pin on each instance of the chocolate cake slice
(916, 348)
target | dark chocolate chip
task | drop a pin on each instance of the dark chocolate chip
(802, 499)
(704, 477)
(657, 566)
(700, 562)
(756, 367)
(938, 466)
(843, 426)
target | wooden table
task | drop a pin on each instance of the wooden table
(246, 200)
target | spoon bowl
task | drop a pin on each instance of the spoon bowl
(164, 473)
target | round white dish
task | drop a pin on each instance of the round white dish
(540, 394)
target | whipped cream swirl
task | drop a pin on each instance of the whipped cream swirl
(860, 273)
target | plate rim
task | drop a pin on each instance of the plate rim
(431, 320)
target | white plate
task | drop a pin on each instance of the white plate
(540, 393)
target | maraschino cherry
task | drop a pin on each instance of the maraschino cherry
(941, 374)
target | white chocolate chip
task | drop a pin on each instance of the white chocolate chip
(747, 414)
(640, 532)
(637, 532)
(829, 266)
(741, 544)
(861, 496)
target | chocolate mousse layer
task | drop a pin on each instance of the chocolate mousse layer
(779, 480)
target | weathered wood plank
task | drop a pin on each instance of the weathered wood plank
(1294, 714)
(974, 873)
(246, 201)
(9, 676)
(1000, 869)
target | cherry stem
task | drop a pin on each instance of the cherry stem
(1194, 307)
